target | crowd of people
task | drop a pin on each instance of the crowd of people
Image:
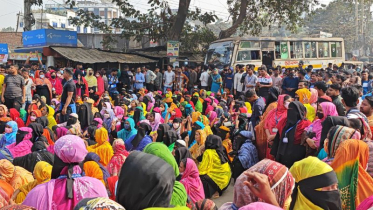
(76, 138)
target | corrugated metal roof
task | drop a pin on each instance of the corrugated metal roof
(90, 56)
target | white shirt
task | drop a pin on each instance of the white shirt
(168, 78)
(28, 85)
(204, 79)
(237, 82)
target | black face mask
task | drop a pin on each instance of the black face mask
(320, 115)
(71, 121)
(169, 104)
(53, 76)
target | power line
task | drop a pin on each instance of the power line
(15, 4)
(8, 13)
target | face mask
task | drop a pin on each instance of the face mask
(53, 106)
(126, 126)
(42, 76)
(97, 75)
(53, 76)
(106, 116)
(176, 126)
(320, 115)
(287, 105)
(58, 75)
(61, 71)
(32, 118)
(8, 130)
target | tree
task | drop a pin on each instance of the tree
(8, 29)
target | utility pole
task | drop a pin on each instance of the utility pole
(362, 28)
(356, 23)
(27, 15)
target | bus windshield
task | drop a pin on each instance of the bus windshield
(219, 54)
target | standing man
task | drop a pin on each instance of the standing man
(192, 79)
(264, 83)
(14, 91)
(149, 79)
(333, 93)
(237, 84)
(113, 81)
(321, 88)
(365, 81)
(29, 85)
(168, 78)
(204, 79)
(257, 104)
(126, 78)
(251, 79)
(290, 84)
(67, 105)
(276, 78)
(158, 80)
(139, 80)
(228, 78)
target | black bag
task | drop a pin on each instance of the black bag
(243, 78)
(209, 82)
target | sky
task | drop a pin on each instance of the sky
(10, 8)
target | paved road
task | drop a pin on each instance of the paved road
(226, 197)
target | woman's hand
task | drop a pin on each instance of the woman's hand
(311, 143)
(154, 136)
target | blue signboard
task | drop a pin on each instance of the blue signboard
(3, 48)
(49, 37)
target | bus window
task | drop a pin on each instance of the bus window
(219, 53)
(323, 49)
(296, 49)
(336, 48)
(281, 50)
(310, 49)
(249, 44)
(248, 55)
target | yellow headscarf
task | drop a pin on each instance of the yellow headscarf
(304, 97)
(196, 149)
(51, 120)
(91, 79)
(195, 116)
(42, 174)
(103, 148)
(306, 168)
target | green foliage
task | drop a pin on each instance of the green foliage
(196, 41)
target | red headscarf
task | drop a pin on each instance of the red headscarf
(276, 114)
(15, 115)
(36, 112)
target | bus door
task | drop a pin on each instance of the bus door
(268, 53)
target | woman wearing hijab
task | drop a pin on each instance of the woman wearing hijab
(3, 111)
(366, 204)
(304, 97)
(216, 81)
(92, 169)
(37, 132)
(91, 82)
(155, 120)
(138, 115)
(109, 117)
(97, 204)
(120, 155)
(56, 84)
(146, 181)
(34, 115)
(270, 122)
(197, 149)
(127, 131)
(14, 175)
(73, 125)
(313, 98)
(64, 190)
(271, 102)
(205, 204)
(350, 163)
(100, 84)
(313, 132)
(23, 143)
(214, 168)
(191, 181)
(247, 155)
(166, 135)
(44, 87)
(181, 153)
(42, 173)
(337, 135)
(50, 117)
(47, 133)
(6, 192)
(286, 146)
(95, 158)
(9, 137)
(16, 116)
(280, 180)
(179, 196)
(80, 83)
(103, 148)
(90, 135)
(38, 153)
(141, 139)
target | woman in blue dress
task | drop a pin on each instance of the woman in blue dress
(216, 81)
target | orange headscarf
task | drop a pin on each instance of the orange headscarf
(14, 175)
(103, 148)
(92, 169)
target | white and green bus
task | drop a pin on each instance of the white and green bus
(276, 51)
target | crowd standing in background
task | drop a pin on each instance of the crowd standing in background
(176, 138)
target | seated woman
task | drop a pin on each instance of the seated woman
(98, 203)
(337, 135)
(6, 192)
(247, 155)
(9, 137)
(179, 195)
(127, 131)
(287, 147)
(214, 168)
(14, 175)
(42, 173)
(157, 182)
(166, 135)
(191, 181)
(64, 190)
(350, 163)
(281, 182)
(34, 114)
(197, 149)
(103, 148)
(94, 158)
(38, 153)
(120, 155)
(16, 117)
(47, 132)
(141, 139)
(23, 143)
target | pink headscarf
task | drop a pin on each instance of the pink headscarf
(61, 131)
(314, 96)
(212, 116)
(328, 109)
(208, 109)
(99, 120)
(119, 112)
(261, 206)
(120, 155)
(275, 115)
(366, 204)
(192, 182)
(24, 147)
(108, 106)
(157, 121)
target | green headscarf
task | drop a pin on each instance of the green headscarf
(179, 195)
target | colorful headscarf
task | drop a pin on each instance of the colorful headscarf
(314, 96)
(120, 155)
(191, 181)
(98, 204)
(275, 115)
(338, 135)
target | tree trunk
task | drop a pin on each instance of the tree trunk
(230, 31)
(177, 27)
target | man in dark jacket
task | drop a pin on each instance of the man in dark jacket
(125, 79)
(333, 92)
(192, 78)
(158, 80)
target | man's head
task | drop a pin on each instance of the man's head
(114, 72)
(310, 67)
(303, 84)
(156, 70)
(13, 69)
(350, 96)
(366, 106)
(34, 66)
(339, 79)
(364, 75)
(126, 68)
(300, 65)
(250, 70)
(335, 68)
(333, 90)
(330, 65)
(321, 88)
(291, 73)
(68, 73)
(262, 72)
(79, 66)
(169, 68)
(302, 73)
(25, 73)
(2, 69)
(276, 71)
(226, 68)
(251, 95)
(314, 77)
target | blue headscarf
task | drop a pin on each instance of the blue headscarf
(9, 138)
(124, 133)
(164, 113)
(188, 109)
(108, 121)
(248, 154)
